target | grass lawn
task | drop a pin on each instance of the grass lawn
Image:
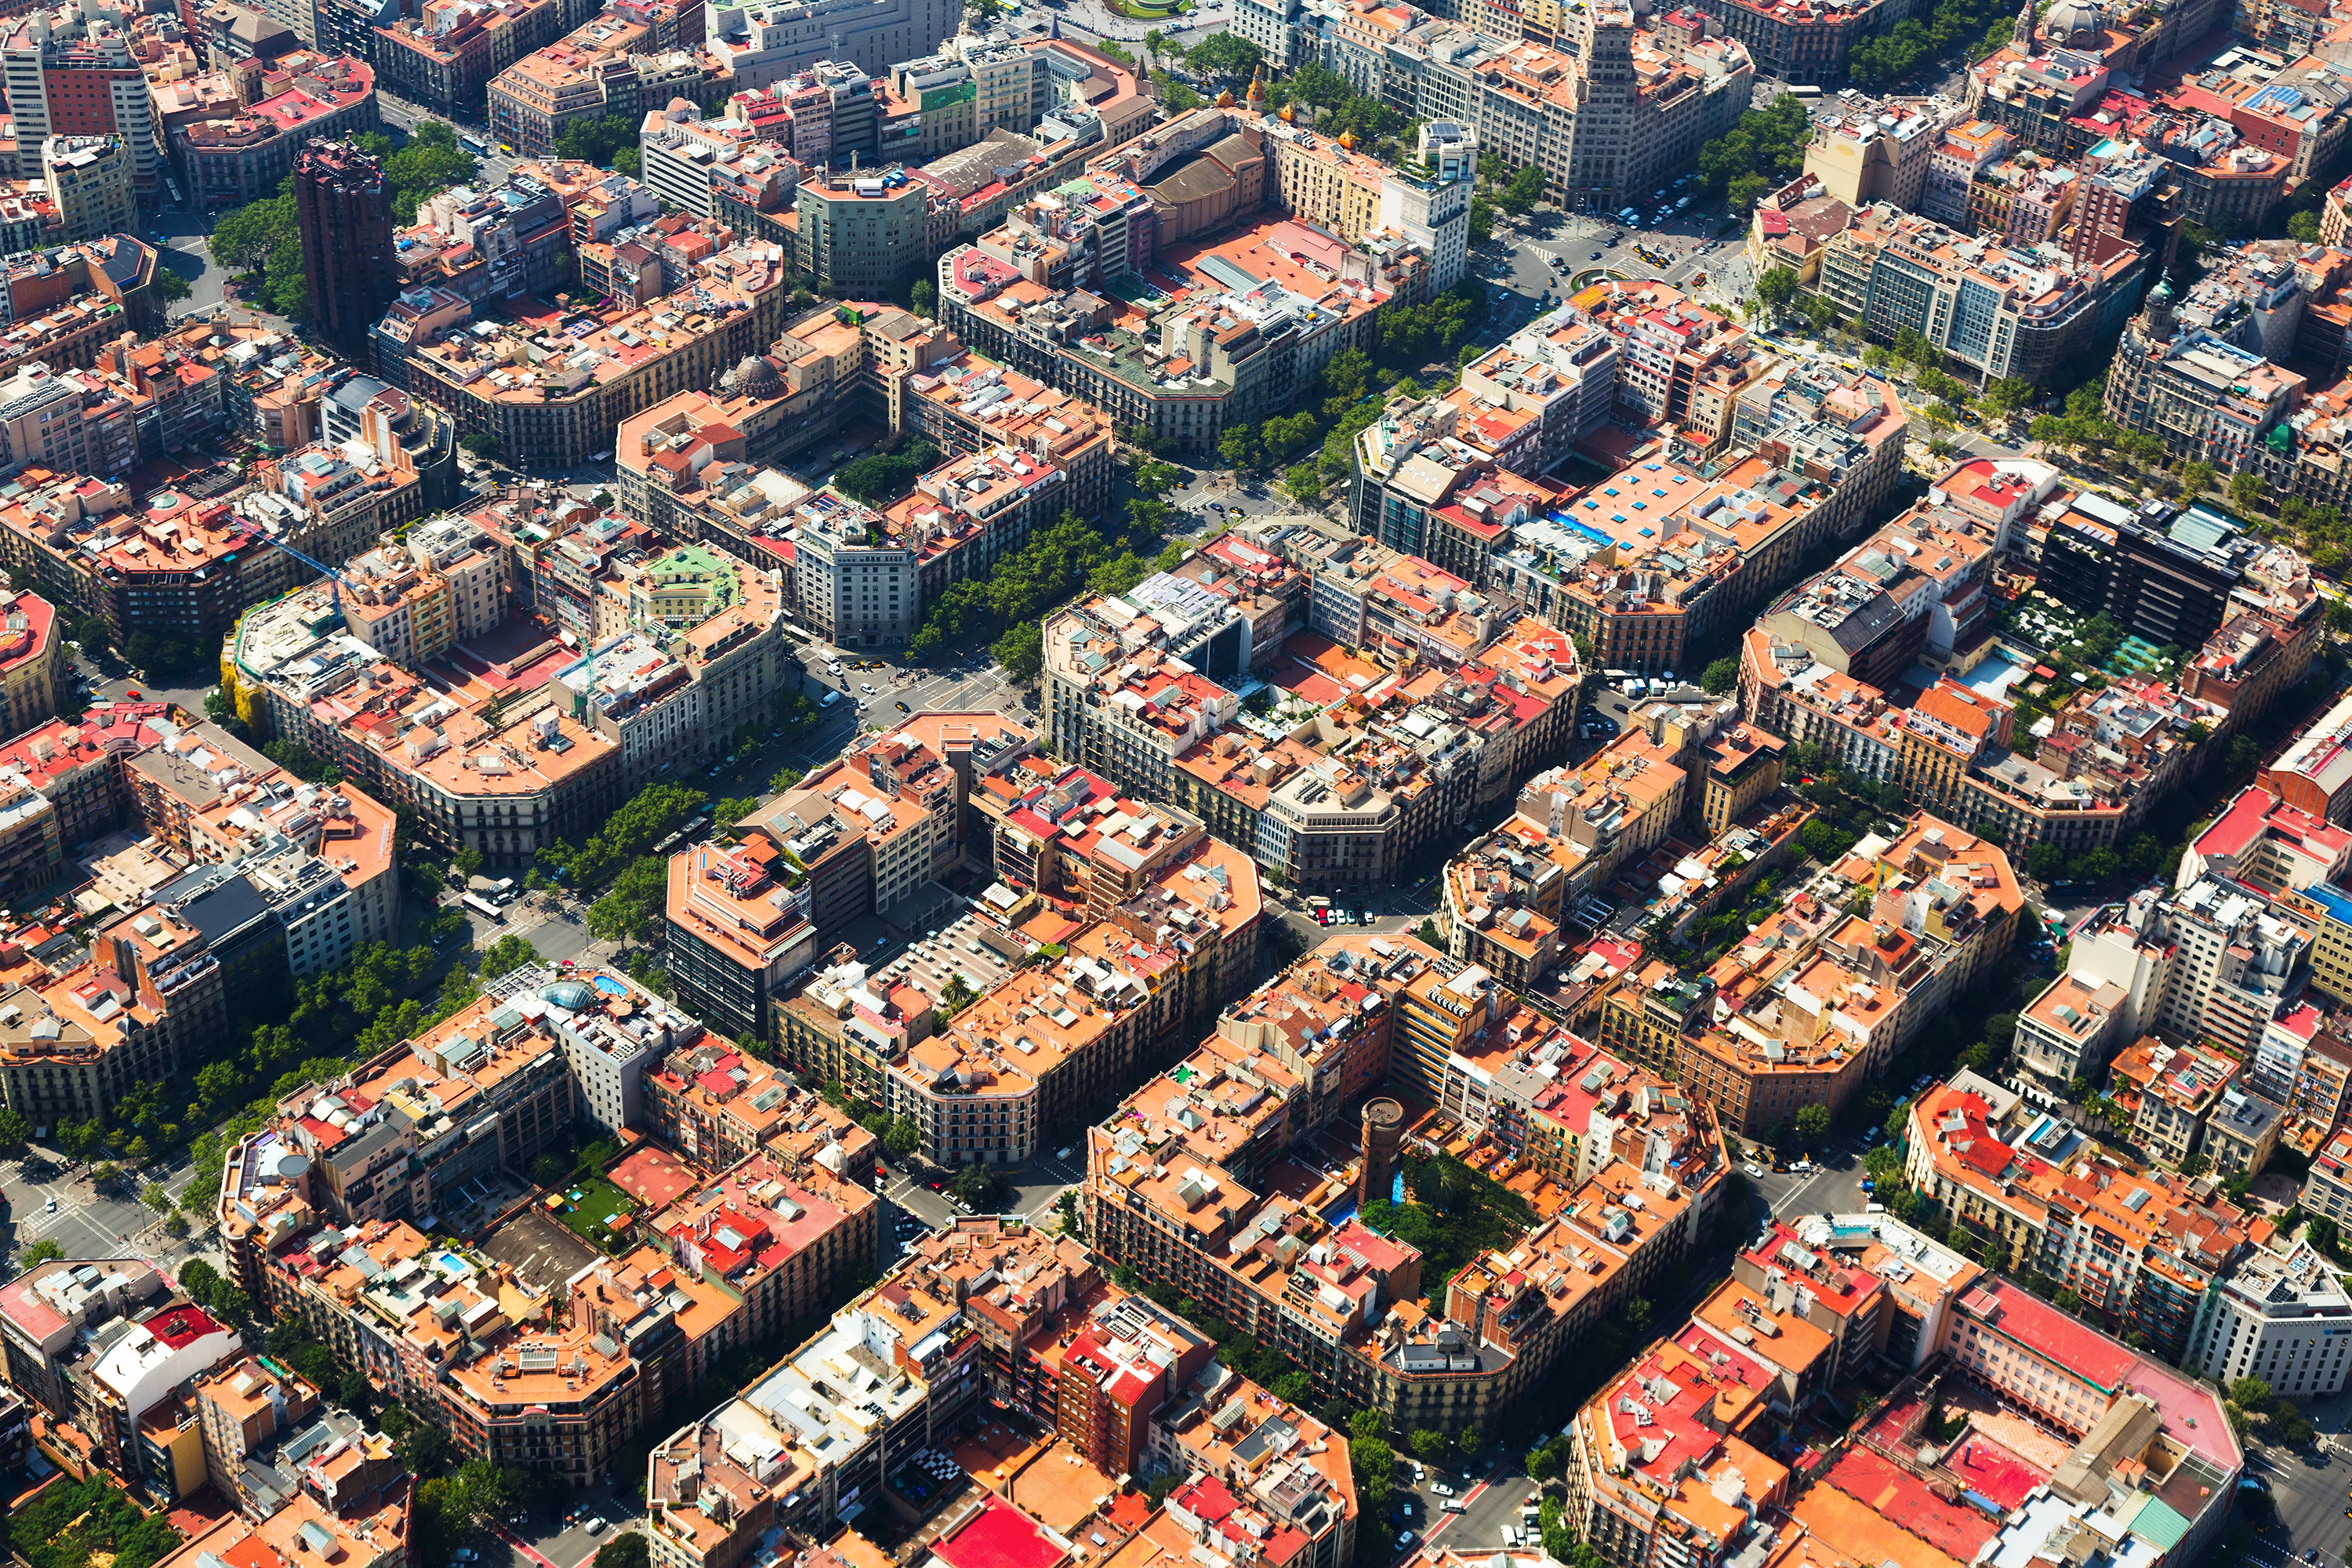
(1144, 11)
(600, 1200)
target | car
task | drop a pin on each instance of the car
(1594, 257)
(595, 1525)
(866, 686)
(1869, 1185)
(462, 1555)
(599, 456)
(904, 709)
(1753, 1169)
(50, 1207)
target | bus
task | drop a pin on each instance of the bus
(484, 908)
(476, 145)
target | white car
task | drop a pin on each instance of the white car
(595, 1525)
(50, 1207)
(1753, 1170)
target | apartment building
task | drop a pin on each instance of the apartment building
(1682, 1394)
(447, 63)
(2205, 397)
(624, 361)
(2169, 1094)
(100, 1343)
(778, 1232)
(610, 67)
(228, 160)
(1198, 1143)
(914, 1381)
(76, 73)
(2030, 312)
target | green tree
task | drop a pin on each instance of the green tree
(14, 1132)
(880, 478)
(923, 299)
(975, 1185)
(1429, 1444)
(1470, 1441)
(1719, 677)
(243, 238)
(626, 1550)
(1226, 55)
(1813, 1124)
(480, 443)
(1022, 651)
(1482, 220)
(2248, 491)
(1777, 290)
(42, 1251)
(1238, 446)
(595, 140)
(904, 1140)
(1524, 190)
(509, 953)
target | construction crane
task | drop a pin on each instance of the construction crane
(334, 578)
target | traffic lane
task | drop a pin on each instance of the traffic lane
(1833, 1187)
(85, 1224)
(2309, 1488)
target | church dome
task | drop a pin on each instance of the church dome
(755, 377)
(2075, 24)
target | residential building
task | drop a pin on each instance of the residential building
(231, 159)
(75, 73)
(88, 179)
(344, 209)
(2029, 312)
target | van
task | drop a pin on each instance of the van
(1452, 1505)
(830, 698)
(1875, 1208)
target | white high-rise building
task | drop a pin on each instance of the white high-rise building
(2282, 1318)
(765, 43)
(1433, 209)
(71, 72)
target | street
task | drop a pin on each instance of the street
(86, 1223)
(1086, 20)
(1490, 1502)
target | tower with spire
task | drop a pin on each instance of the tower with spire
(2022, 36)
